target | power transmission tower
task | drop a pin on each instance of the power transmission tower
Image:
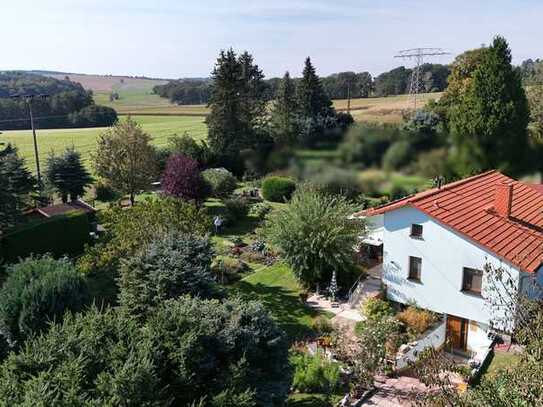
(418, 55)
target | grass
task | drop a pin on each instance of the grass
(277, 288)
(312, 400)
(500, 361)
(84, 139)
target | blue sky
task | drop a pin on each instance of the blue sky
(167, 38)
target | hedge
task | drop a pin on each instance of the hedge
(278, 189)
(59, 235)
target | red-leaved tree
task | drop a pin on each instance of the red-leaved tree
(182, 179)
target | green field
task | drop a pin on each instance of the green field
(84, 140)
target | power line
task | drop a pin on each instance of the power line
(418, 55)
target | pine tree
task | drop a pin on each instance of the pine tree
(489, 119)
(284, 113)
(237, 104)
(312, 100)
(16, 184)
(67, 175)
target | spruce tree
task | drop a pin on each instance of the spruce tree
(284, 113)
(489, 120)
(237, 104)
(16, 184)
(312, 100)
(67, 175)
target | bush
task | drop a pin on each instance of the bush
(314, 373)
(38, 290)
(229, 269)
(434, 163)
(372, 183)
(260, 210)
(59, 235)
(416, 320)
(316, 236)
(376, 309)
(397, 156)
(237, 208)
(228, 353)
(278, 189)
(338, 181)
(173, 265)
(366, 144)
(182, 179)
(189, 147)
(103, 192)
(322, 325)
(220, 181)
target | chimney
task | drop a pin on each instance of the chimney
(503, 199)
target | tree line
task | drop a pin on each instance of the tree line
(68, 104)
(337, 86)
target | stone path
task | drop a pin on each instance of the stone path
(395, 392)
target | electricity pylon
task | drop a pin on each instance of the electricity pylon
(418, 55)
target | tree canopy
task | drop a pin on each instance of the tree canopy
(67, 175)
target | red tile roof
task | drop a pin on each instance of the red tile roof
(59, 209)
(468, 207)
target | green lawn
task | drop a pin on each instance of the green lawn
(500, 361)
(84, 140)
(277, 288)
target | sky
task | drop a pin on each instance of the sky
(173, 39)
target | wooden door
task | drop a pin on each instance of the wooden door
(457, 333)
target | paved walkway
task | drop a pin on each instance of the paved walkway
(395, 392)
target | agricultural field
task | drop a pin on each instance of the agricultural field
(84, 139)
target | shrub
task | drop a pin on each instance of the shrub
(220, 181)
(278, 189)
(189, 147)
(228, 353)
(173, 265)
(103, 192)
(416, 320)
(434, 163)
(316, 236)
(372, 182)
(376, 309)
(397, 156)
(322, 325)
(260, 210)
(59, 235)
(182, 179)
(366, 144)
(229, 269)
(337, 181)
(236, 208)
(38, 290)
(314, 373)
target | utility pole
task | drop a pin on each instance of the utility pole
(28, 100)
(349, 97)
(418, 55)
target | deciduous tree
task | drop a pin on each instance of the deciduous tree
(125, 158)
(182, 179)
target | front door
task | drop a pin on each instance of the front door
(457, 333)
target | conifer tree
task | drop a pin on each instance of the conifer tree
(312, 100)
(237, 104)
(284, 113)
(489, 120)
(16, 184)
(67, 175)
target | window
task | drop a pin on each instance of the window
(415, 267)
(416, 230)
(472, 280)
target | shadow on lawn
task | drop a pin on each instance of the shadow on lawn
(308, 400)
(294, 317)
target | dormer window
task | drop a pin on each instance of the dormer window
(416, 231)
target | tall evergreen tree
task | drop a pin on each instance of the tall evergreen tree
(489, 119)
(236, 102)
(284, 113)
(16, 184)
(67, 175)
(312, 100)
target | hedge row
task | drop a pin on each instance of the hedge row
(59, 235)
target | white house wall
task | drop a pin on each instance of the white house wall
(444, 254)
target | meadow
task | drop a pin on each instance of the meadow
(84, 140)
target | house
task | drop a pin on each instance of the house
(436, 244)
